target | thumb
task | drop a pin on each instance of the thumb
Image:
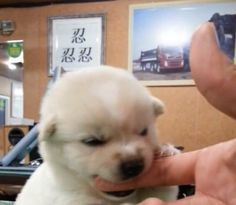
(213, 72)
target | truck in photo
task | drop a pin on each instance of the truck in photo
(162, 58)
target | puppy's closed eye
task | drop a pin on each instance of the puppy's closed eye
(144, 132)
(93, 141)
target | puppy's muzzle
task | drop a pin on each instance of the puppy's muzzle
(128, 169)
(131, 168)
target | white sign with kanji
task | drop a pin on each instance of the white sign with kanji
(76, 42)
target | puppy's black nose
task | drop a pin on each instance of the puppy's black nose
(131, 168)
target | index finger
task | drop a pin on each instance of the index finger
(174, 170)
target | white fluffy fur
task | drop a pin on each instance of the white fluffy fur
(106, 103)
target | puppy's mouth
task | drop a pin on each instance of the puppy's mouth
(120, 193)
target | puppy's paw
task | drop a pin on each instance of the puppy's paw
(168, 150)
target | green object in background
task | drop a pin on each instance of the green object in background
(14, 50)
(2, 106)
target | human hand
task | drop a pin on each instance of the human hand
(213, 170)
(213, 72)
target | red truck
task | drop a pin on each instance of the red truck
(163, 58)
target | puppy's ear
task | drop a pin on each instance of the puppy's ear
(158, 106)
(47, 128)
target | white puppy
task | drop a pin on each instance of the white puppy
(95, 122)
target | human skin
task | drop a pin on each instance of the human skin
(212, 169)
(214, 174)
(213, 72)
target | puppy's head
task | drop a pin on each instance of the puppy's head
(99, 122)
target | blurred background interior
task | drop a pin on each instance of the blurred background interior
(189, 122)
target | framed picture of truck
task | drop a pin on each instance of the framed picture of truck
(160, 35)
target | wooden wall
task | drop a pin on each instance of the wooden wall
(189, 121)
